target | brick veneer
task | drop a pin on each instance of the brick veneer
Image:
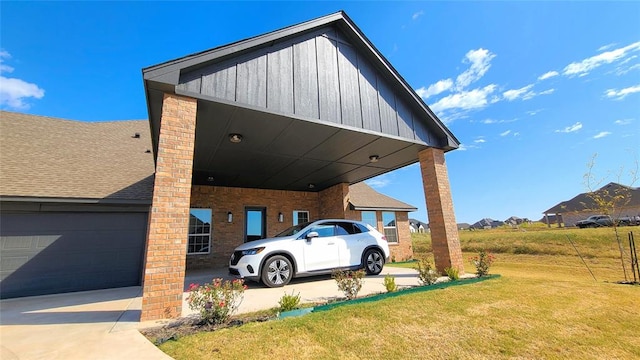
(226, 236)
(169, 217)
(334, 202)
(442, 221)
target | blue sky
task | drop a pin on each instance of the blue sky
(532, 89)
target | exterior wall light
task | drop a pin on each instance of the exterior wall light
(280, 217)
(374, 158)
(235, 138)
(229, 217)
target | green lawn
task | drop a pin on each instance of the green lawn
(543, 306)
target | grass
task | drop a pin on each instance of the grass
(543, 306)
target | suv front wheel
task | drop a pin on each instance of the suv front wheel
(277, 271)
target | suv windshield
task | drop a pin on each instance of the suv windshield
(293, 230)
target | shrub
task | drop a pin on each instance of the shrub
(427, 275)
(289, 302)
(482, 262)
(216, 301)
(390, 283)
(452, 273)
(349, 282)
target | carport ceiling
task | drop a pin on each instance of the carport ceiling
(280, 152)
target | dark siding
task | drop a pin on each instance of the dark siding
(388, 117)
(369, 97)
(47, 253)
(405, 121)
(305, 73)
(318, 75)
(280, 80)
(349, 89)
(252, 82)
(328, 80)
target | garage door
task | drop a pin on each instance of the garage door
(48, 253)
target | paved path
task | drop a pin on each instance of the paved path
(104, 324)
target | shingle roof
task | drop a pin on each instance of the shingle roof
(50, 157)
(363, 197)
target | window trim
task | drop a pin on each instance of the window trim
(395, 227)
(190, 235)
(294, 217)
(375, 216)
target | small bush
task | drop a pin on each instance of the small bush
(452, 273)
(289, 302)
(216, 301)
(427, 275)
(390, 283)
(349, 282)
(482, 262)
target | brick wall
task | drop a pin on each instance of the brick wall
(226, 236)
(169, 217)
(334, 202)
(442, 221)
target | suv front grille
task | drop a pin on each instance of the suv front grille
(236, 257)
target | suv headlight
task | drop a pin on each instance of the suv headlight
(253, 251)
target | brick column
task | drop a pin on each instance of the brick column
(442, 220)
(334, 202)
(166, 252)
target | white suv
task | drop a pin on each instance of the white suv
(311, 248)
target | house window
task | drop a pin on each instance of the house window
(199, 231)
(369, 217)
(389, 223)
(300, 217)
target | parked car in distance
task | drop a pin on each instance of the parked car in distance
(311, 248)
(629, 220)
(595, 221)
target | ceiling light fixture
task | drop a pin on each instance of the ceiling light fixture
(311, 186)
(235, 138)
(374, 158)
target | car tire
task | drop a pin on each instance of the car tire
(276, 271)
(373, 262)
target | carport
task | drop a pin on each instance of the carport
(297, 114)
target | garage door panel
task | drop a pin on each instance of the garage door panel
(44, 253)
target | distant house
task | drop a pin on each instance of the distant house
(417, 226)
(463, 226)
(487, 223)
(581, 206)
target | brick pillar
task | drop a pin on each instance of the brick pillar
(442, 220)
(166, 252)
(334, 202)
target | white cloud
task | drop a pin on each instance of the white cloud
(473, 99)
(623, 121)
(548, 75)
(480, 63)
(511, 95)
(415, 16)
(435, 89)
(462, 147)
(14, 92)
(505, 133)
(479, 141)
(534, 112)
(575, 127)
(602, 134)
(622, 93)
(494, 121)
(582, 68)
(547, 92)
(378, 182)
(605, 47)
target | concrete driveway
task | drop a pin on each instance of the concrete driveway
(104, 324)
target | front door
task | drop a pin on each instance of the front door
(255, 226)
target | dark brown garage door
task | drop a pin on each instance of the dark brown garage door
(48, 253)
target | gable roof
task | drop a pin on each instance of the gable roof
(45, 157)
(584, 201)
(167, 76)
(364, 197)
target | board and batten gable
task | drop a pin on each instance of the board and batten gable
(318, 75)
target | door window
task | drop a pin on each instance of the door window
(255, 224)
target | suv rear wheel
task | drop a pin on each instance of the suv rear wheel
(373, 262)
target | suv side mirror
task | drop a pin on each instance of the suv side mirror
(311, 235)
